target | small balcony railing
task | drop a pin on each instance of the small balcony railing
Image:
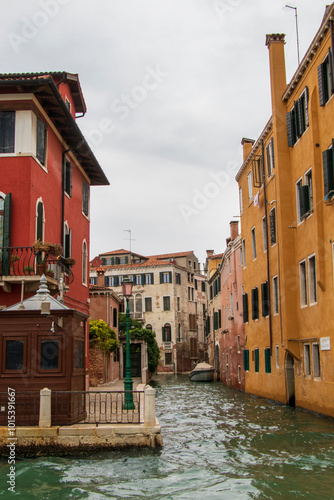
(24, 261)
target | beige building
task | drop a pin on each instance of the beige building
(168, 297)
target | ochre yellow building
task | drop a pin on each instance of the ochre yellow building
(286, 187)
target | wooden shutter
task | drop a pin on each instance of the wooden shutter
(272, 152)
(272, 223)
(39, 223)
(126, 260)
(117, 261)
(112, 260)
(301, 117)
(68, 178)
(331, 75)
(152, 278)
(6, 233)
(161, 277)
(246, 359)
(7, 131)
(170, 277)
(306, 106)
(67, 249)
(85, 198)
(267, 360)
(321, 84)
(328, 167)
(304, 200)
(255, 303)
(256, 359)
(106, 281)
(41, 141)
(290, 129)
(219, 318)
(245, 307)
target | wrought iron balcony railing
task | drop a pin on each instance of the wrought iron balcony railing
(24, 261)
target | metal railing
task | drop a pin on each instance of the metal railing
(24, 261)
(94, 407)
(26, 408)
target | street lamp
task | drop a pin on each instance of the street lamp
(128, 382)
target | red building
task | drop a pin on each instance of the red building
(47, 169)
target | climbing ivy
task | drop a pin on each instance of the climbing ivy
(138, 332)
(102, 336)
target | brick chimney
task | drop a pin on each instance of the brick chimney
(234, 230)
(100, 277)
(247, 146)
(209, 253)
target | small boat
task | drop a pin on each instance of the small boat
(203, 372)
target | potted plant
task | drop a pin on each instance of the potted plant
(69, 261)
(50, 273)
(28, 270)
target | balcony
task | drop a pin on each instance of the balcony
(23, 263)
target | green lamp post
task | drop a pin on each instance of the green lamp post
(128, 382)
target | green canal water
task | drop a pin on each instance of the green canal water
(218, 444)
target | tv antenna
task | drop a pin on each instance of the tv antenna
(295, 9)
(130, 239)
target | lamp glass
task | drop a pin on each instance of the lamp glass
(127, 287)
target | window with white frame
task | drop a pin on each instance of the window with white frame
(308, 182)
(303, 283)
(307, 360)
(299, 185)
(264, 233)
(316, 360)
(297, 119)
(148, 304)
(240, 255)
(272, 223)
(231, 304)
(240, 201)
(250, 185)
(325, 79)
(312, 279)
(166, 303)
(277, 356)
(275, 295)
(229, 265)
(270, 157)
(84, 263)
(7, 132)
(253, 243)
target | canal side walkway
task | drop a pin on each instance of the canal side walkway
(125, 428)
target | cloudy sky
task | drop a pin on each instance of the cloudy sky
(171, 87)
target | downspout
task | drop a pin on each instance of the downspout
(267, 242)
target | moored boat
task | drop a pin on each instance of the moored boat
(203, 372)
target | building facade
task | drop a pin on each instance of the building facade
(286, 185)
(168, 297)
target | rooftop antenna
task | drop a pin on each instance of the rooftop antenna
(130, 239)
(295, 9)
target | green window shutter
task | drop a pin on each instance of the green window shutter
(267, 360)
(106, 281)
(331, 70)
(6, 234)
(256, 359)
(161, 277)
(304, 200)
(245, 307)
(170, 277)
(112, 260)
(68, 178)
(117, 261)
(143, 279)
(272, 225)
(328, 168)
(290, 128)
(246, 359)
(321, 84)
(301, 117)
(219, 318)
(211, 292)
(265, 300)
(255, 303)
(152, 279)
(7, 131)
(306, 106)
(126, 259)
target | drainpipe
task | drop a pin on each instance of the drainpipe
(267, 241)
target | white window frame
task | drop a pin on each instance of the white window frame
(250, 185)
(277, 356)
(307, 360)
(241, 207)
(269, 158)
(264, 233)
(253, 243)
(312, 280)
(275, 296)
(316, 360)
(303, 290)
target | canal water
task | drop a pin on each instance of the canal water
(218, 444)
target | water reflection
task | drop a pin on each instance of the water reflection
(218, 443)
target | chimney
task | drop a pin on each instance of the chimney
(275, 44)
(209, 253)
(234, 230)
(247, 146)
(100, 277)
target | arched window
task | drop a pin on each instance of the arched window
(67, 240)
(166, 333)
(148, 327)
(84, 263)
(40, 220)
(139, 303)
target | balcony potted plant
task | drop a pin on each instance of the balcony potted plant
(50, 273)
(28, 270)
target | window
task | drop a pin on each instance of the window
(309, 184)
(93, 280)
(149, 279)
(148, 304)
(245, 307)
(312, 279)
(166, 277)
(253, 243)
(316, 360)
(138, 279)
(267, 360)
(275, 294)
(7, 131)
(168, 358)
(178, 303)
(304, 194)
(68, 178)
(84, 262)
(49, 354)
(277, 356)
(166, 333)
(240, 256)
(297, 118)
(179, 333)
(238, 343)
(270, 157)
(40, 221)
(264, 233)
(67, 241)
(328, 169)
(203, 286)
(307, 362)
(272, 222)
(239, 374)
(85, 198)
(139, 303)
(41, 142)
(115, 316)
(78, 355)
(302, 283)
(240, 201)
(325, 79)
(231, 304)
(244, 253)
(265, 299)
(193, 323)
(166, 303)
(250, 186)
(255, 303)
(148, 327)
(257, 360)
(229, 265)
(178, 278)
(246, 359)
(14, 355)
